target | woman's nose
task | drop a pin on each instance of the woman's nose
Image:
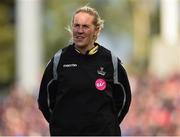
(80, 30)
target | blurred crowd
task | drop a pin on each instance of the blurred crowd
(19, 115)
(154, 110)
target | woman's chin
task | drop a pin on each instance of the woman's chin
(80, 45)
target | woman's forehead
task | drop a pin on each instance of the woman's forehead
(83, 18)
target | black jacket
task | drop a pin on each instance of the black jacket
(91, 95)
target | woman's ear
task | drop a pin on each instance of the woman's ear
(97, 30)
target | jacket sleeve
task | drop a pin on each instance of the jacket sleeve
(121, 92)
(43, 98)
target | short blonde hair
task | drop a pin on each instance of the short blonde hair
(98, 22)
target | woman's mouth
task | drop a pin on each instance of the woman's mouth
(79, 37)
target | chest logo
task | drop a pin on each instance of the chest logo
(101, 71)
(69, 65)
(100, 84)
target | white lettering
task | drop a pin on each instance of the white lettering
(69, 65)
(100, 84)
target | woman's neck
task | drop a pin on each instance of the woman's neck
(84, 50)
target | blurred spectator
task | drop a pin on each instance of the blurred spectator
(155, 107)
(20, 116)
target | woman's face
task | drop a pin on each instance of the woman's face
(84, 31)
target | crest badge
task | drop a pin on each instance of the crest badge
(101, 71)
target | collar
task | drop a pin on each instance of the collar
(91, 51)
